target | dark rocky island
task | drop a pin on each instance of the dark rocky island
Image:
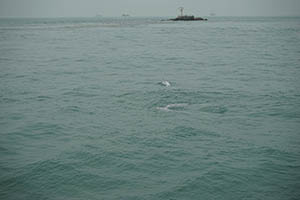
(188, 18)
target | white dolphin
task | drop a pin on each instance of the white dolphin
(171, 107)
(166, 83)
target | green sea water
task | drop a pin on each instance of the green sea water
(139, 108)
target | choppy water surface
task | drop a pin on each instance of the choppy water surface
(138, 108)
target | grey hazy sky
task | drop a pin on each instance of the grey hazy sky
(65, 8)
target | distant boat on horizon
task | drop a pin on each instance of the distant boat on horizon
(125, 15)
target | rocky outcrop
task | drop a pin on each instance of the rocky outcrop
(188, 18)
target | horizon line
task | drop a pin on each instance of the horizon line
(136, 16)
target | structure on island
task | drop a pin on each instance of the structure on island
(182, 17)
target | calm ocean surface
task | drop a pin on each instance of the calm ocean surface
(84, 113)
